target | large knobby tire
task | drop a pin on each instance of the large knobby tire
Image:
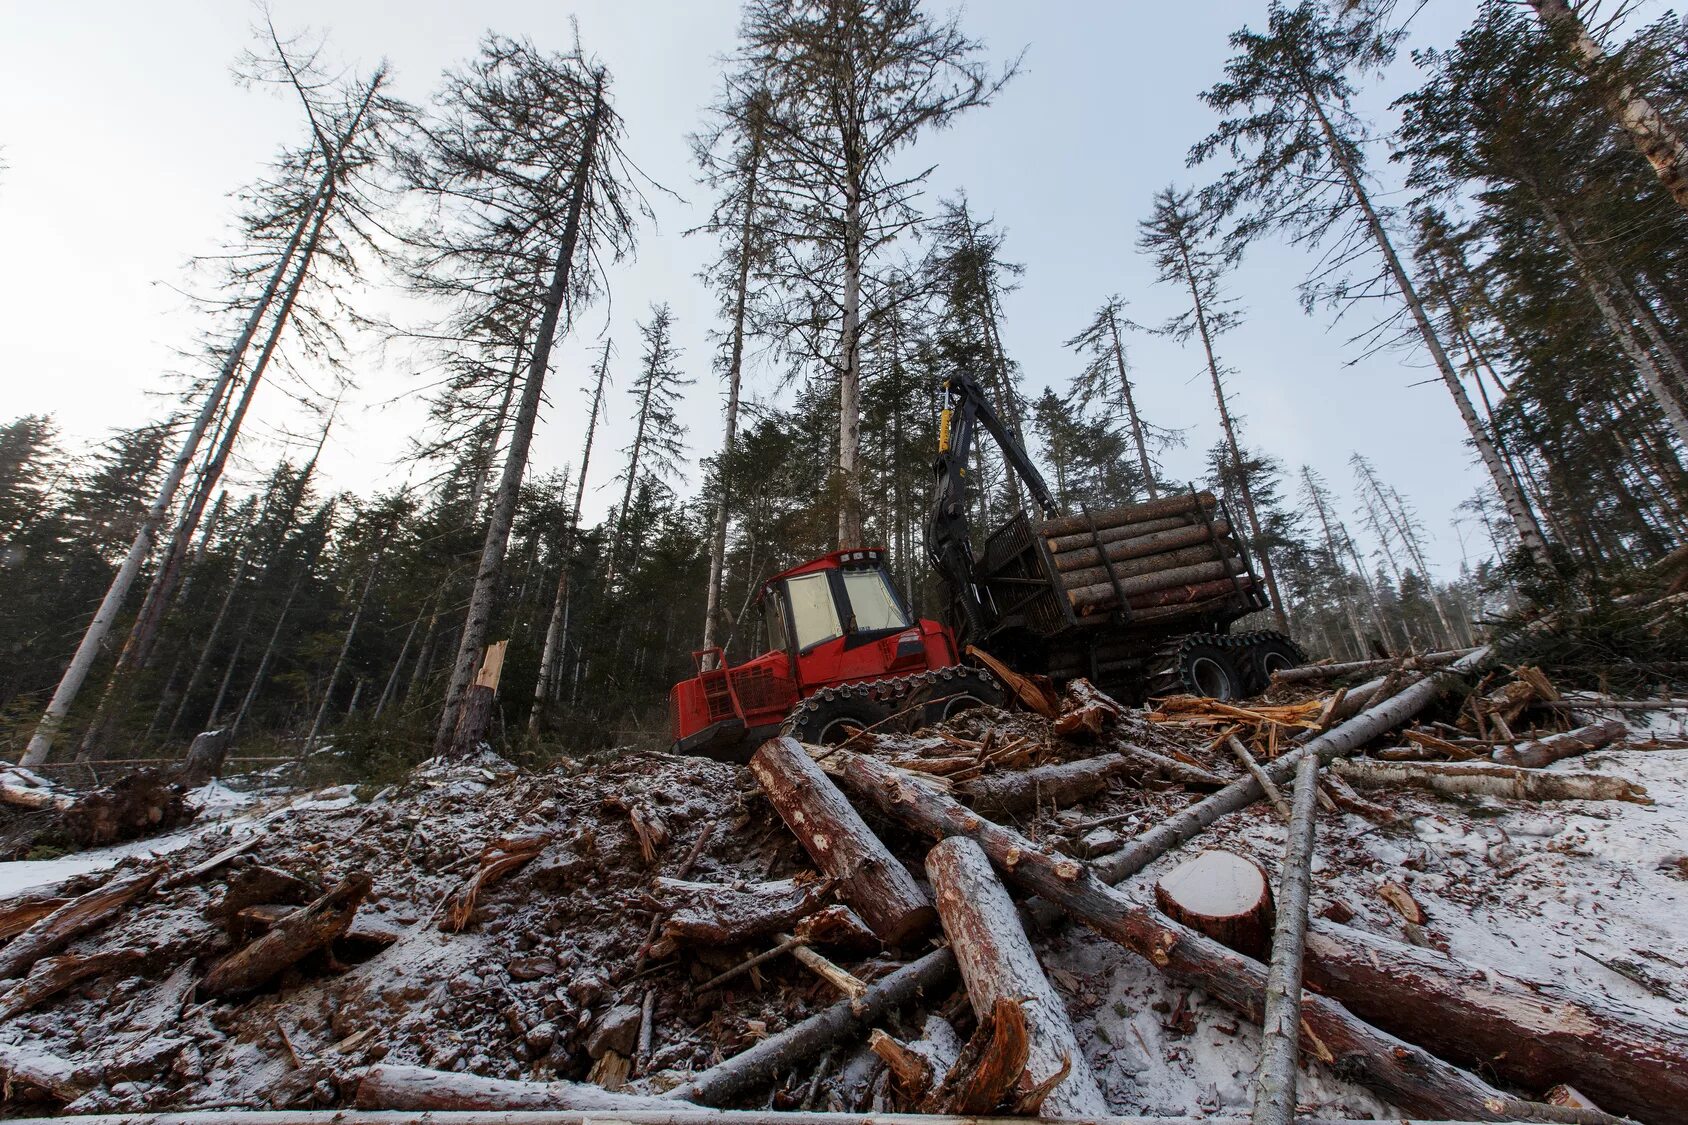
(1200, 664)
(1265, 654)
(954, 693)
(828, 718)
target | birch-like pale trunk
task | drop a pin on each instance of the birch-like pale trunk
(850, 375)
(93, 637)
(1652, 377)
(1130, 403)
(345, 648)
(1655, 138)
(1517, 507)
(1279, 617)
(1409, 543)
(735, 373)
(1315, 494)
(485, 589)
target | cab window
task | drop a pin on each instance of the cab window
(814, 616)
(872, 603)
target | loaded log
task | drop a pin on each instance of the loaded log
(1105, 595)
(1118, 531)
(866, 875)
(998, 963)
(1108, 517)
(1150, 564)
(1141, 546)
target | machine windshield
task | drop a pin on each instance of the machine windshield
(872, 602)
(814, 617)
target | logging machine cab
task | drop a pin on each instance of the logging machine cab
(833, 621)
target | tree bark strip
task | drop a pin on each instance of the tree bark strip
(295, 937)
(77, 917)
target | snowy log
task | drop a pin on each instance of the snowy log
(997, 963)
(1225, 896)
(727, 914)
(1052, 786)
(1490, 779)
(294, 938)
(19, 913)
(865, 873)
(1402, 1073)
(35, 1069)
(52, 975)
(77, 917)
(1545, 751)
(418, 1088)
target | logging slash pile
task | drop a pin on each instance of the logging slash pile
(1070, 908)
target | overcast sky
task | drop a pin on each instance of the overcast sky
(124, 135)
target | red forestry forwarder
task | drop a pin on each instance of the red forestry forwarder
(1138, 598)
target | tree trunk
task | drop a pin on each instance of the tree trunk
(345, 647)
(485, 589)
(998, 963)
(1523, 519)
(1554, 747)
(1654, 137)
(850, 375)
(869, 878)
(1130, 404)
(1490, 779)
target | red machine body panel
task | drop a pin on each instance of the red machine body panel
(838, 619)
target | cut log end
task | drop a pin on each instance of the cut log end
(1225, 896)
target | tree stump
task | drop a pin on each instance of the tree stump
(1223, 895)
(204, 761)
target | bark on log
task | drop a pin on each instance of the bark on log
(1128, 513)
(1081, 539)
(1103, 595)
(75, 918)
(418, 1088)
(1223, 895)
(1274, 1077)
(1320, 673)
(1140, 546)
(1339, 741)
(985, 1074)
(52, 975)
(1490, 779)
(20, 913)
(1152, 564)
(998, 963)
(1402, 1073)
(1530, 1034)
(1065, 783)
(866, 875)
(295, 937)
(1545, 751)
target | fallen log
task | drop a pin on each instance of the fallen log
(866, 875)
(19, 913)
(1490, 779)
(1400, 1072)
(52, 975)
(418, 1088)
(1171, 769)
(731, 913)
(77, 917)
(1129, 513)
(1545, 751)
(1138, 547)
(1280, 1034)
(35, 1069)
(1530, 1034)
(1339, 741)
(670, 1114)
(1319, 673)
(1270, 787)
(1058, 785)
(998, 964)
(1086, 710)
(1223, 895)
(294, 938)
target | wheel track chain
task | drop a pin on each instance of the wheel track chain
(887, 692)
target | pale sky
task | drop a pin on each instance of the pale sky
(124, 135)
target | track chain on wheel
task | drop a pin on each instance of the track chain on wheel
(1263, 652)
(899, 703)
(1205, 664)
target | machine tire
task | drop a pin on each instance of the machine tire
(1264, 654)
(1200, 664)
(828, 718)
(968, 687)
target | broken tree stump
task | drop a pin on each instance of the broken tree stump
(75, 918)
(1409, 1076)
(416, 1088)
(1490, 779)
(1052, 786)
(294, 938)
(987, 1072)
(866, 875)
(205, 757)
(1545, 751)
(998, 963)
(1225, 896)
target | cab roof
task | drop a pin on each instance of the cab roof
(832, 560)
